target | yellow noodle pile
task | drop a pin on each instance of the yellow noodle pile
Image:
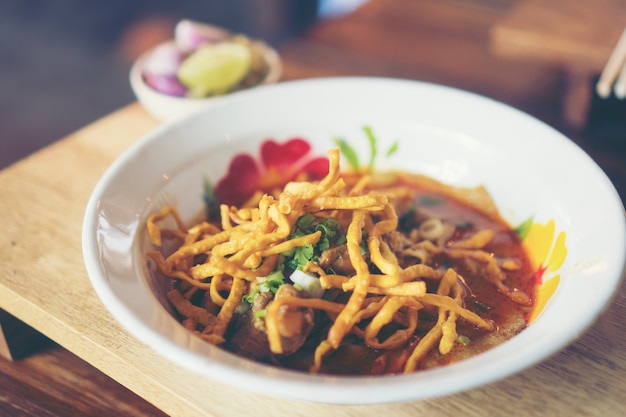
(250, 240)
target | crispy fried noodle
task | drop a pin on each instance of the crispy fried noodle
(326, 267)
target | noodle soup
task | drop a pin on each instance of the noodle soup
(565, 211)
(362, 273)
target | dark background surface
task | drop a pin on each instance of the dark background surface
(65, 63)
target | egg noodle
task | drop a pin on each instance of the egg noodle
(230, 258)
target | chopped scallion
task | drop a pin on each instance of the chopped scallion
(464, 340)
(260, 314)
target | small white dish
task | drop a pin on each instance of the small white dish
(454, 136)
(168, 108)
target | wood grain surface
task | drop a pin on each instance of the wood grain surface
(563, 31)
(94, 367)
(572, 34)
(44, 284)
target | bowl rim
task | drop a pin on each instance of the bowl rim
(330, 384)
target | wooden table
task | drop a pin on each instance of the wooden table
(576, 35)
(44, 284)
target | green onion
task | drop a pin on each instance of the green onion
(330, 236)
(249, 298)
(464, 340)
(260, 314)
(305, 221)
(270, 283)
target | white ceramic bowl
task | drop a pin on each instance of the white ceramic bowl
(168, 108)
(454, 136)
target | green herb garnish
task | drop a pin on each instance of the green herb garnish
(464, 340)
(260, 314)
(330, 236)
(270, 283)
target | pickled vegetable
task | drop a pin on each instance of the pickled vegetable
(215, 69)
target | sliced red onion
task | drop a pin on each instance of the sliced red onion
(189, 35)
(164, 60)
(166, 84)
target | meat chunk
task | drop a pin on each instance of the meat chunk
(294, 323)
(337, 259)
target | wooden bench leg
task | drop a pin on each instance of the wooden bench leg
(17, 339)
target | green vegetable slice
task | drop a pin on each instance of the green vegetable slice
(215, 69)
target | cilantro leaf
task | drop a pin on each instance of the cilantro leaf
(331, 235)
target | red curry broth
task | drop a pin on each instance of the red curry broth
(481, 297)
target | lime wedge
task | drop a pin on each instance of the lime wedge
(214, 69)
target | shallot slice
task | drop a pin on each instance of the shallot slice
(190, 35)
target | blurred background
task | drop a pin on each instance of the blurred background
(65, 63)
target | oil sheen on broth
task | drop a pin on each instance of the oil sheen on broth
(432, 220)
(480, 296)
